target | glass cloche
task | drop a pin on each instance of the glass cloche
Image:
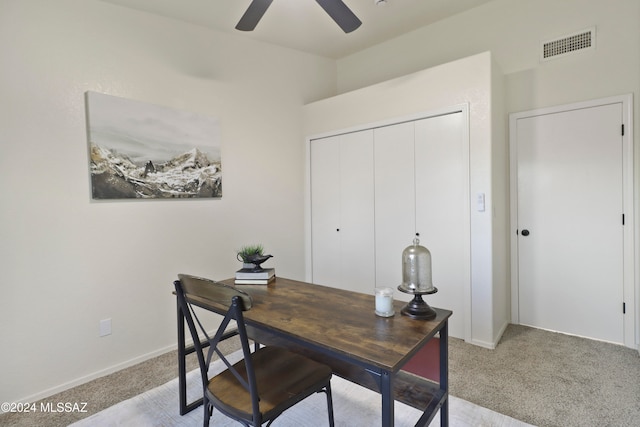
(416, 280)
(416, 269)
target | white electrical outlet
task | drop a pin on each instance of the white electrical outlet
(105, 327)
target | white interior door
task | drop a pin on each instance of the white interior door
(569, 216)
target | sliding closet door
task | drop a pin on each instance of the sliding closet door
(394, 200)
(342, 230)
(325, 211)
(356, 212)
(373, 190)
(441, 176)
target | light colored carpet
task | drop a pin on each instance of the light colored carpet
(539, 377)
(353, 406)
(550, 379)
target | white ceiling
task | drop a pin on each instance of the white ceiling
(304, 25)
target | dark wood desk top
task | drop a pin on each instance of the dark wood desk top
(341, 321)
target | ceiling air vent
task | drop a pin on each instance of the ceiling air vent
(569, 44)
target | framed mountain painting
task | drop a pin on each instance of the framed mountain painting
(144, 151)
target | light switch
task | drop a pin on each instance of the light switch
(480, 202)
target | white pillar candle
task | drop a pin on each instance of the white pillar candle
(384, 302)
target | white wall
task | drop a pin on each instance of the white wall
(512, 30)
(67, 262)
(465, 81)
(501, 298)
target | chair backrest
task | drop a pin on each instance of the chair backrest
(211, 291)
(190, 291)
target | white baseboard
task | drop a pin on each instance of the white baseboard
(498, 337)
(485, 344)
(101, 373)
(491, 345)
(97, 374)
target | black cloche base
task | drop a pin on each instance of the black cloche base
(418, 309)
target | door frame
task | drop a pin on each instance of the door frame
(630, 287)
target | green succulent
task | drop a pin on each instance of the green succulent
(249, 250)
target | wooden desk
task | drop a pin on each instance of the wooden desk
(340, 328)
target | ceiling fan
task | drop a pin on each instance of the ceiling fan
(336, 9)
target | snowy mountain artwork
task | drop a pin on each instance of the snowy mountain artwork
(145, 151)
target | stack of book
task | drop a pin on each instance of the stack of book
(248, 276)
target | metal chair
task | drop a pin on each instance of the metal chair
(266, 382)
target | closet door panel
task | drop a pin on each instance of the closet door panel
(356, 212)
(325, 211)
(394, 200)
(441, 210)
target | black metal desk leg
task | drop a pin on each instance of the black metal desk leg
(444, 373)
(182, 369)
(386, 389)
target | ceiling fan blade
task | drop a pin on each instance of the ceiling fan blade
(340, 13)
(252, 16)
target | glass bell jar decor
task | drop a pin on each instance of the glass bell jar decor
(416, 280)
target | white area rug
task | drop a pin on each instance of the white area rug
(353, 406)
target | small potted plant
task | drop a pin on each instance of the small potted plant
(252, 256)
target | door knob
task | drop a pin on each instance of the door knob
(525, 232)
